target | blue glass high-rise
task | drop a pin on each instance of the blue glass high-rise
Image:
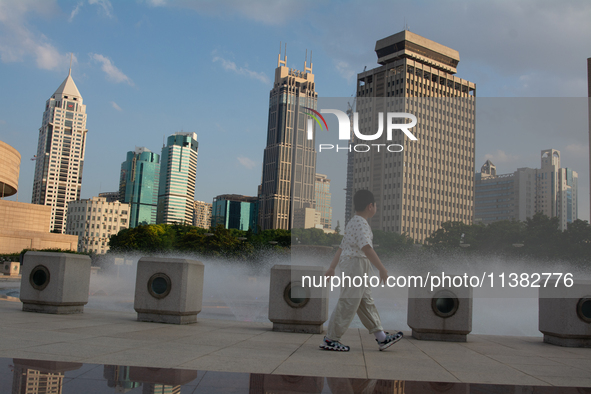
(138, 185)
(176, 191)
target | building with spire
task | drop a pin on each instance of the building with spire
(138, 185)
(60, 152)
(289, 160)
(176, 187)
(431, 180)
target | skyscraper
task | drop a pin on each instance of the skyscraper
(431, 181)
(323, 200)
(60, 152)
(289, 162)
(138, 185)
(176, 189)
(589, 112)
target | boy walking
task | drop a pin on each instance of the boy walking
(355, 255)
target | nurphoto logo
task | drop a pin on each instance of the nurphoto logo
(345, 130)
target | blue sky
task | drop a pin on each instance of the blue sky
(147, 69)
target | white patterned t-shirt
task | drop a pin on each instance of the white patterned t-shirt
(357, 235)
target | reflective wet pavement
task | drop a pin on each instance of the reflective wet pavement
(37, 376)
(237, 352)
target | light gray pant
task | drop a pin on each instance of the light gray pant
(354, 300)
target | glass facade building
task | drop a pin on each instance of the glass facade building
(235, 211)
(138, 185)
(176, 188)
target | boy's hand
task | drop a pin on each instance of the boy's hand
(383, 275)
(329, 272)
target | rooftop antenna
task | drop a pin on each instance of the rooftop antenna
(70, 72)
(306, 68)
(279, 61)
(163, 138)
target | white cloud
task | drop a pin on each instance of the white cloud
(577, 150)
(114, 105)
(231, 66)
(75, 12)
(105, 5)
(246, 162)
(345, 70)
(19, 42)
(113, 73)
(276, 12)
(501, 157)
(156, 3)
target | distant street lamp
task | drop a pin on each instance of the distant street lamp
(209, 234)
(273, 242)
(242, 238)
(518, 245)
(462, 244)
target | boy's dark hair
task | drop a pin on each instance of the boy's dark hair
(362, 199)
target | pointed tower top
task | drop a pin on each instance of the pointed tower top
(68, 87)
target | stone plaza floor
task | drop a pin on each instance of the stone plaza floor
(116, 338)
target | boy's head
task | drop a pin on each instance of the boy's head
(362, 199)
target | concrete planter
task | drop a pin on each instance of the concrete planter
(565, 314)
(444, 314)
(293, 308)
(168, 290)
(55, 282)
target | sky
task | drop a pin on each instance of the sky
(147, 69)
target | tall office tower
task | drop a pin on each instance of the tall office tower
(235, 211)
(557, 189)
(138, 185)
(432, 180)
(289, 162)
(589, 112)
(323, 200)
(60, 152)
(551, 190)
(176, 189)
(202, 216)
(94, 221)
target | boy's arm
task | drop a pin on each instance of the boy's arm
(333, 264)
(375, 260)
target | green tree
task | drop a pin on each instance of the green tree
(541, 236)
(450, 235)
